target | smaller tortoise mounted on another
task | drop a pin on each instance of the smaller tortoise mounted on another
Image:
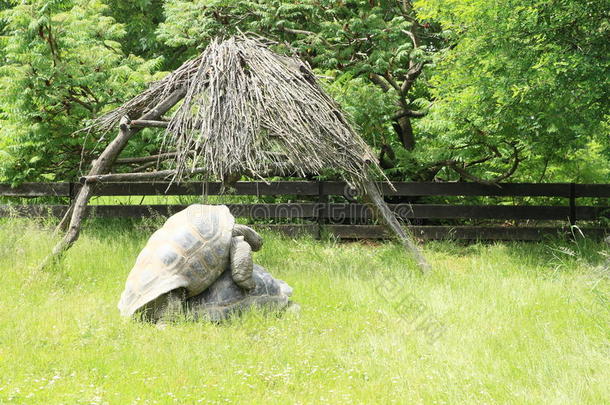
(183, 258)
(224, 298)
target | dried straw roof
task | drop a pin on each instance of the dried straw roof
(250, 110)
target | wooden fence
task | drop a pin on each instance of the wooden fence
(347, 218)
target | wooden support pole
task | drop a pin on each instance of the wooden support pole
(145, 166)
(403, 234)
(108, 156)
(148, 124)
(76, 212)
(145, 159)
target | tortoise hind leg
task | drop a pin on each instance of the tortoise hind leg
(241, 263)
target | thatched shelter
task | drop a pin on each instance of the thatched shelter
(239, 109)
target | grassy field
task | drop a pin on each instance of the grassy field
(494, 323)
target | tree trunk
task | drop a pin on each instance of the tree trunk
(403, 128)
(387, 157)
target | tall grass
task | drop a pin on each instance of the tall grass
(494, 323)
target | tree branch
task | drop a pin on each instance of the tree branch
(303, 32)
(415, 70)
(145, 159)
(392, 82)
(296, 32)
(81, 102)
(378, 80)
(478, 161)
(409, 113)
(145, 166)
(464, 173)
(460, 168)
(413, 37)
(148, 123)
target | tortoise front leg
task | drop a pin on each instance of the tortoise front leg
(241, 263)
(250, 236)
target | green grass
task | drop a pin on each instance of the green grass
(494, 323)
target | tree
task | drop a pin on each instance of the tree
(63, 65)
(4, 5)
(523, 78)
(140, 19)
(442, 89)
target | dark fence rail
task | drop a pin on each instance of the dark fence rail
(314, 188)
(348, 220)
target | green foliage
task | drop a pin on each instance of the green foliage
(491, 79)
(530, 72)
(64, 64)
(370, 108)
(360, 37)
(140, 20)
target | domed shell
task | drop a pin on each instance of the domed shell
(224, 297)
(191, 250)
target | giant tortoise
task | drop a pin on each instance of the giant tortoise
(192, 249)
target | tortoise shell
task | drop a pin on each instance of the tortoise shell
(224, 297)
(190, 251)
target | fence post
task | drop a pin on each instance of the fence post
(572, 204)
(321, 211)
(70, 192)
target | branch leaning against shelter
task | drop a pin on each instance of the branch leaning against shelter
(244, 110)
